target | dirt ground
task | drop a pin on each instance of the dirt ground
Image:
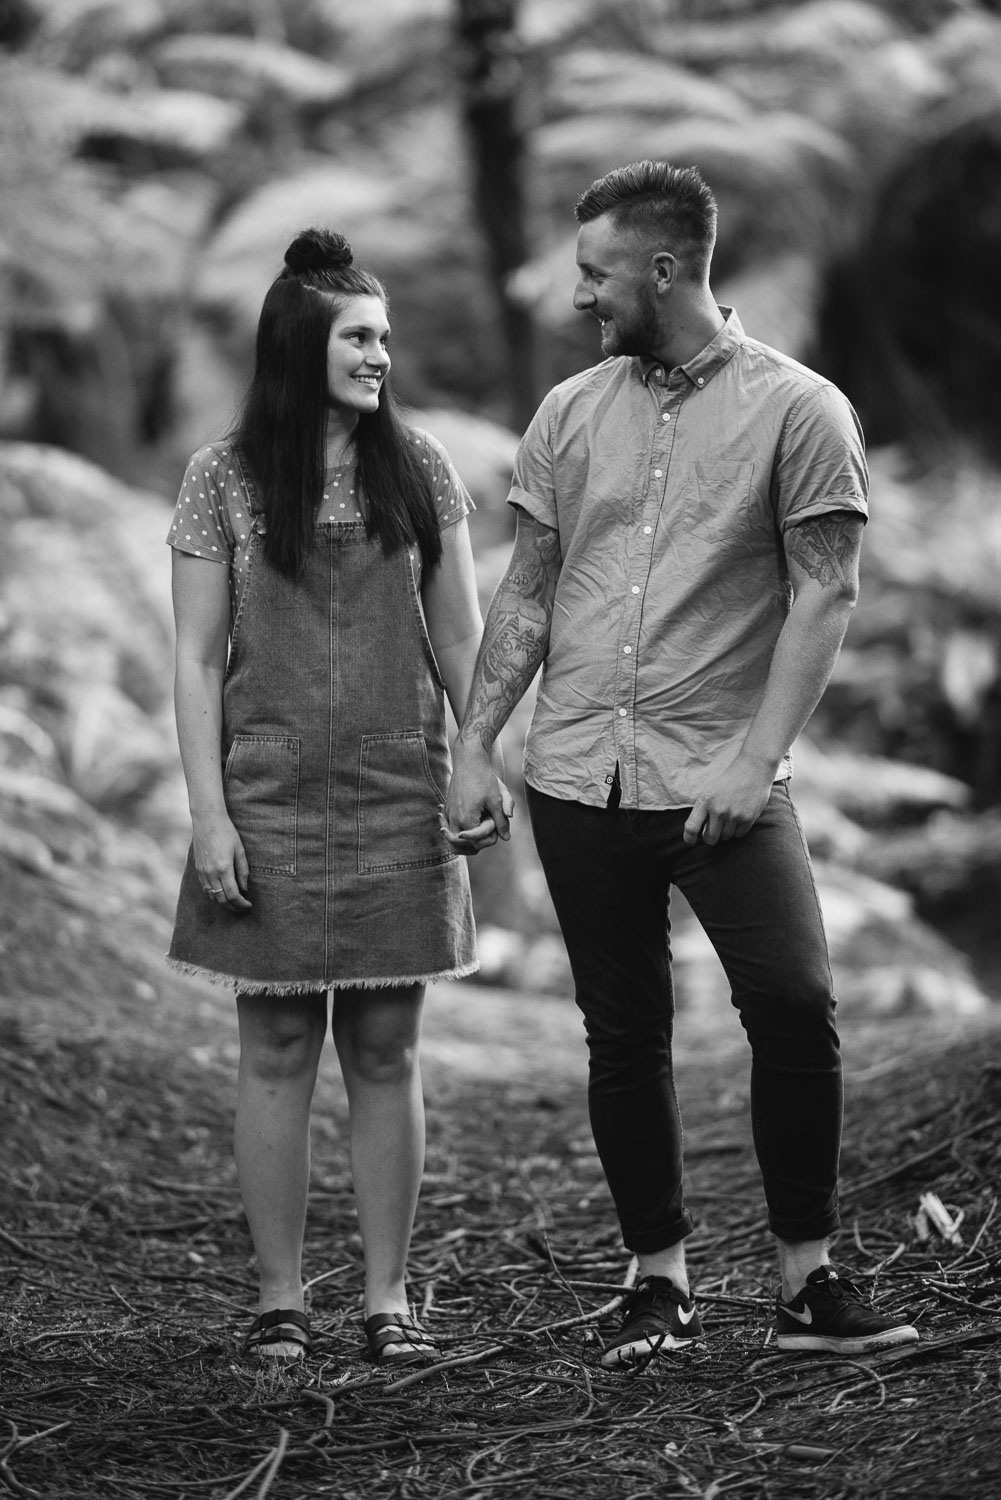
(128, 1278)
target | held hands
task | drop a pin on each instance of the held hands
(731, 802)
(223, 871)
(479, 807)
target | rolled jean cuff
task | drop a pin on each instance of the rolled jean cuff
(798, 1231)
(649, 1241)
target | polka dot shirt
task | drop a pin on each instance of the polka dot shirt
(212, 518)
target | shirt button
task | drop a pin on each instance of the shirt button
(635, 589)
(626, 650)
(658, 473)
(647, 530)
(665, 416)
(701, 380)
(622, 713)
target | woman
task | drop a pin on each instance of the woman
(325, 601)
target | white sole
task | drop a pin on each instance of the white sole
(805, 1342)
(632, 1354)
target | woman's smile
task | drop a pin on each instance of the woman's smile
(357, 357)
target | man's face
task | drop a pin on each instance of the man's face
(615, 285)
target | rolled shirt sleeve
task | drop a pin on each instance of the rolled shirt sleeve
(820, 462)
(533, 486)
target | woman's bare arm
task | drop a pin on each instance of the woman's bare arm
(201, 615)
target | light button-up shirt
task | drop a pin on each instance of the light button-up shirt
(671, 496)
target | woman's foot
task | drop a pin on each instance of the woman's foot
(396, 1338)
(282, 1336)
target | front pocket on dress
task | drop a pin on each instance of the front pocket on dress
(399, 805)
(262, 795)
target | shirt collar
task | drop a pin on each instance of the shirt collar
(710, 360)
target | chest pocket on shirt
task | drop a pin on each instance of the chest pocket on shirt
(718, 500)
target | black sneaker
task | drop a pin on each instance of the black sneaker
(832, 1314)
(655, 1316)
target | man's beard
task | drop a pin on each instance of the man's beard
(636, 335)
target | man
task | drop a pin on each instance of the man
(690, 513)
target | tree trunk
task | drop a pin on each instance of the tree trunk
(491, 75)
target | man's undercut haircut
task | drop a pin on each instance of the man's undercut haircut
(673, 206)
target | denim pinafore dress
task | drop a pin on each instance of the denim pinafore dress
(336, 763)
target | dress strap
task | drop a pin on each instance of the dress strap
(254, 502)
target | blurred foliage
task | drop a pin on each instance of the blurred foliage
(156, 157)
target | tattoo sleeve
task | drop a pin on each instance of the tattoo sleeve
(827, 548)
(516, 632)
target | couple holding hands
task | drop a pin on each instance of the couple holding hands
(689, 519)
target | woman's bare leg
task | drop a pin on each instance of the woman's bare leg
(376, 1033)
(281, 1037)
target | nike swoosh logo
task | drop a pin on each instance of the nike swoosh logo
(686, 1317)
(803, 1317)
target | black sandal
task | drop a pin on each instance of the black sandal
(398, 1339)
(283, 1326)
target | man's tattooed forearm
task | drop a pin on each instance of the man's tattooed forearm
(516, 634)
(514, 645)
(535, 567)
(517, 648)
(512, 651)
(826, 548)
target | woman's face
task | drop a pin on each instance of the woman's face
(357, 358)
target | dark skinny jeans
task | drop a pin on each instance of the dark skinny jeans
(610, 873)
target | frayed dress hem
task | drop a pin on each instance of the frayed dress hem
(312, 986)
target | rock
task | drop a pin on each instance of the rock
(27, 850)
(886, 961)
(116, 752)
(250, 70)
(952, 859)
(873, 790)
(239, 263)
(906, 991)
(500, 952)
(626, 81)
(24, 746)
(86, 30)
(174, 125)
(87, 665)
(483, 453)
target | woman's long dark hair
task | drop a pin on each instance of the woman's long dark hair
(281, 430)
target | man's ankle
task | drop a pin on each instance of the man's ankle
(665, 1263)
(797, 1261)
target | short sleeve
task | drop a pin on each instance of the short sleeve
(201, 523)
(451, 499)
(533, 485)
(820, 465)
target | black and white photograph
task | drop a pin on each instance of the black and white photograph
(500, 749)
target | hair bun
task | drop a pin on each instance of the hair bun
(318, 250)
